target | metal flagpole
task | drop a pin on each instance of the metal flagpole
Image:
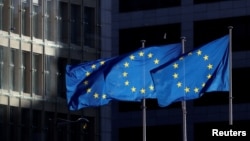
(144, 108)
(230, 77)
(183, 103)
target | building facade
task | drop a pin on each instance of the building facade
(37, 39)
(199, 21)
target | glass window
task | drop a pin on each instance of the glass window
(37, 120)
(63, 22)
(135, 133)
(1, 66)
(36, 19)
(49, 20)
(130, 39)
(151, 104)
(14, 16)
(25, 18)
(48, 75)
(240, 89)
(50, 124)
(37, 74)
(5, 15)
(25, 122)
(1, 14)
(137, 5)
(13, 71)
(219, 27)
(6, 66)
(14, 115)
(61, 88)
(207, 1)
(89, 27)
(25, 73)
(3, 122)
(3, 113)
(76, 24)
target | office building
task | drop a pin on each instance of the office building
(199, 21)
(37, 39)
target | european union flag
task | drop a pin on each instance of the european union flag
(130, 79)
(84, 84)
(125, 78)
(204, 69)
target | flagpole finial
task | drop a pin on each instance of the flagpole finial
(183, 38)
(143, 41)
(230, 27)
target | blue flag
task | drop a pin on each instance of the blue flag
(84, 84)
(124, 78)
(130, 79)
(204, 69)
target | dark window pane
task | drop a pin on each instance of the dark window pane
(137, 5)
(207, 30)
(207, 1)
(172, 132)
(130, 39)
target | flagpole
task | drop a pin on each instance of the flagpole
(144, 108)
(183, 103)
(230, 77)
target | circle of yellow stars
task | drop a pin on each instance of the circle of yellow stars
(180, 83)
(125, 74)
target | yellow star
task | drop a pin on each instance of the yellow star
(205, 57)
(187, 90)
(87, 73)
(175, 65)
(209, 76)
(132, 57)
(102, 62)
(151, 87)
(125, 74)
(150, 55)
(156, 61)
(141, 53)
(199, 52)
(133, 89)
(175, 75)
(196, 90)
(181, 58)
(179, 84)
(89, 90)
(203, 84)
(86, 82)
(127, 83)
(143, 91)
(126, 65)
(96, 95)
(210, 66)
(93, 66)
(104, 96)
